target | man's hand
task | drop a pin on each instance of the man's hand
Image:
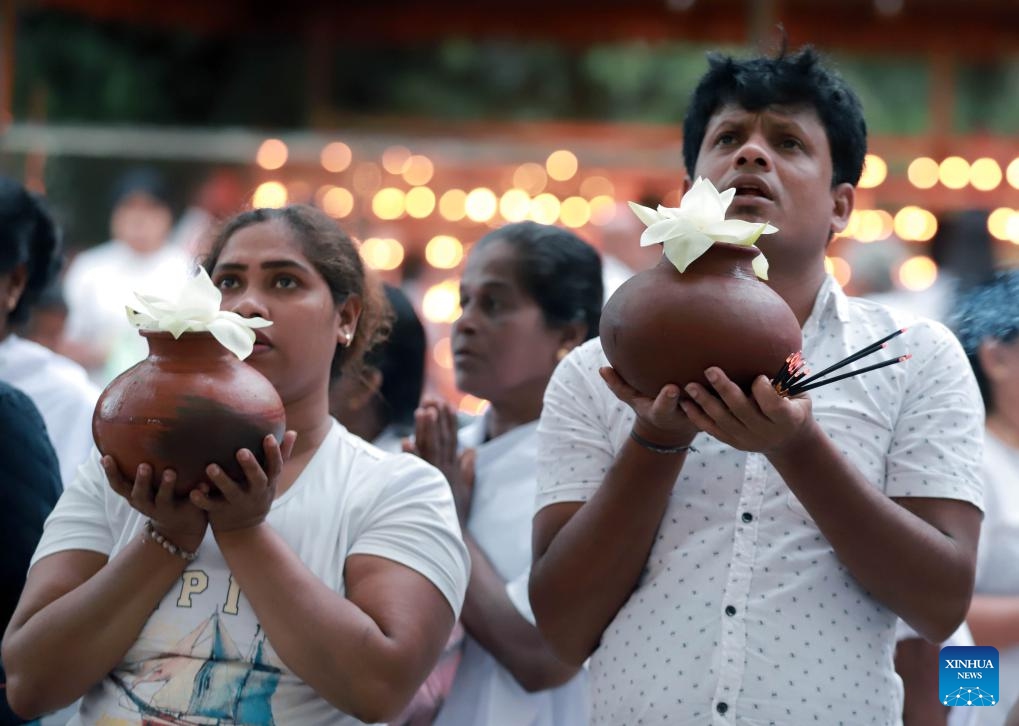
(764, 423)
(659, 419)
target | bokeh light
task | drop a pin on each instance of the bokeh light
(418, 170)
(444, 251)
(545, 208)
(1012, 173)
(997, 222)
(954, 172)
(603, 210)
(875, 170)
(337, 202)
(269, 194)
(452, 204)
(923, 172)
(480, 204)
(442, 353)
(514, 205)
(985, 174)
(382, 253)
(561, 165)
(336, 157)
(420, 202)
(918, 273)
(472, 405)
(389, 203)
(597, 186)
(272, 154)
(839, 269)
(575, 212)
(394, 158)
(531, 178)
(441, 302)
(915, 224)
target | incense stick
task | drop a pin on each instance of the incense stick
(801, 388)
(872, 348)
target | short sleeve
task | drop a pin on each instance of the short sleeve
(575, 447)
(80, 519)
(936, 448)
(412, 520)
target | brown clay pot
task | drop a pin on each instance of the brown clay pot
(662, 326)
(191, 403)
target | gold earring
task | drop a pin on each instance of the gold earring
(561, 353)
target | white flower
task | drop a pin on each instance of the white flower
(688, 232)
(195, 308)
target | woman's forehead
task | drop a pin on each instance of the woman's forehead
(270, 238)
(494, 262)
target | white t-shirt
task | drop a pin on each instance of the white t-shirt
(744, 614)
(998, 560)
(484, 693)
(98, 286)
(202, 654)
(62, 392)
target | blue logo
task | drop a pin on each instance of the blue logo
(968, 676)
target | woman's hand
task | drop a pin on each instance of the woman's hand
(176, 518)
(660, 419)
(436, 441)
(244, 505)
(765, 422)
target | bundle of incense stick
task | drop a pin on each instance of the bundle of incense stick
(794, 377)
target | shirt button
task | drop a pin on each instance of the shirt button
(730, 610)
(722, 707)
(748, 517)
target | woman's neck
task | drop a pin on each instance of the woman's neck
(1004, 426)
(503, 417)
(309, 418)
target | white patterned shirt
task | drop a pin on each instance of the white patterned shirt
(743, 613)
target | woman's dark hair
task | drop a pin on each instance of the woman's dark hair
(335, 256)
(28, 237)
(400, 359)
(987, 312)
(559, 270)
(797, 79)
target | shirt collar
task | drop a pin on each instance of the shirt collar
(831, 299)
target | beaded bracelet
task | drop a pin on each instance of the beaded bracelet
(657, 448)
(152, 534)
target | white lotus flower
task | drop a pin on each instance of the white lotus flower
(688, 231)
(195, 308)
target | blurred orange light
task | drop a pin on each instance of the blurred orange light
(514, 205)
(444, 251)
(272, 154)
(923, 172)
(545, 208)
(480, 204)
(451, 204)
(839, 269)
(1012, 173)
(1012, 228)
(561, 165)
(336, 157)
(997, 222)
(954, 172)
(337, 202)
(389, 203)
(873, 225)
(269, 194)
(382, 253)
(530, 177)
(441, 302)
(420, 202)
(418, 170)
(915, 224)
(395, 158)
(442, 353)
(575, 212)
(918, 273)
(985, 174)
(597, 186)
(472, 405)
(875, 170)
(603, 210)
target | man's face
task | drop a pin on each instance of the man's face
(779, 161)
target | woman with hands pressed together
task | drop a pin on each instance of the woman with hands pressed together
(530, 293)
(319, 590)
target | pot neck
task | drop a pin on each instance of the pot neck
(721, 258)
(188, 345)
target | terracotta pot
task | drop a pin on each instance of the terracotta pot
(662, 326)
(191, 403)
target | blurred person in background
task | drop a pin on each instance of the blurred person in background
(30, 486)
(530, 293)
(378, 401)
(220, 195)
(30, 260)
(48, 318)
(100, 280)
(987, 323)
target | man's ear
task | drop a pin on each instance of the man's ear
(992, 360)
(18, 281)
(843, 202)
